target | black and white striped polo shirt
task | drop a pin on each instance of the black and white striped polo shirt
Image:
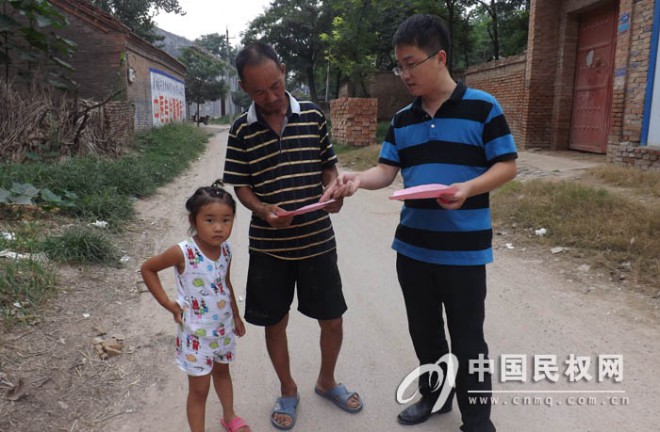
(285, 171)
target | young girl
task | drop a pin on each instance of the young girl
(205, 307)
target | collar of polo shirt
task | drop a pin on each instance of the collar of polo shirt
(294, 108)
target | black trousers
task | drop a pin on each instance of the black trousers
(461, 290)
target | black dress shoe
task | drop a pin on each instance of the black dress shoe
(420, 411)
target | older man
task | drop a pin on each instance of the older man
(279, 157)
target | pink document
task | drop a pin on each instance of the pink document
(306, 209)
(428, 191)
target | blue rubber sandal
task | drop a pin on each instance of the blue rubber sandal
(285, 405)
(340, 396)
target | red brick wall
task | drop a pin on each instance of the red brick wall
(354, 121)
(97, 58)
(630, 75)
(118, 118)
(504, 79)
(632, 70)
(106, 49)
(540, 73)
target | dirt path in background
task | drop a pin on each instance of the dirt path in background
(537, 304)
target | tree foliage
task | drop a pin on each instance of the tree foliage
(356, 35)
(204, 73)
(504, 17)
(293, 28)
(139, 14)
(29, 47)
(216, 43)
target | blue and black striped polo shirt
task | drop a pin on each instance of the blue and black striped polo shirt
(285, 171)
(467, 135)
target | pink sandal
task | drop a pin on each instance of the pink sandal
(234, 425)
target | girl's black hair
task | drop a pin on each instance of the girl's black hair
(208, 194)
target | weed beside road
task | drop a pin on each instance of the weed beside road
(608, 230)
(103, 190)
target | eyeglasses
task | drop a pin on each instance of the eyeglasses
(398, 71)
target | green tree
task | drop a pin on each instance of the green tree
(204, 73)
(29, 45)
(216, 43)
(514, 26)
(139, 14)
(507, 17)
(293, 28)
(354, 40)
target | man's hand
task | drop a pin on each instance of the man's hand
(345, 185)
(269, 213)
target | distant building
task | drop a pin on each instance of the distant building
(173, 45)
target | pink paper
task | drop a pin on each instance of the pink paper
(306, 209)
(428, 191)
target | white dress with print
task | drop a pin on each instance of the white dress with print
(207, 332)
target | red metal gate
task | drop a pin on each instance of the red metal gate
(592, 94)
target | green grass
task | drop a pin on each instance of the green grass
(106, 189)
(81, 246)
(23, 285)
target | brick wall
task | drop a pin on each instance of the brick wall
(106, 49)
(504, 79)
(354, 121)
(118, 122)
(540, 72)
(630, 75)
(645, 158)
(97, 57)
(141, 56)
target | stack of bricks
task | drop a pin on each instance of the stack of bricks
(354, 121)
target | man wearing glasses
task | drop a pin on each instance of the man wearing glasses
(458, 136)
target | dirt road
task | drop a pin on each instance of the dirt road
(534, 307)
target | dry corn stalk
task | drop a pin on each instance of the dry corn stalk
(47, 123)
